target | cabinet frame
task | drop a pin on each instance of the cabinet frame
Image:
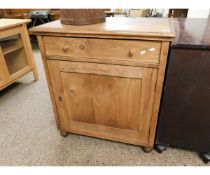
(136, 30)
(16, 27)
(63, 122)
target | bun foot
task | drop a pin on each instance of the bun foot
(147, 150)
(205, 157)
(64, 134)
(160, 148)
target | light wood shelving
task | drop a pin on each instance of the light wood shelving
(11, 46)
(16, 58)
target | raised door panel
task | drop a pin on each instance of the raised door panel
(103, 100)
(108, 101)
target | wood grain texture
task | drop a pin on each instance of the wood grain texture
(105, 132)
(10, 46)
(106, 49)
(157, 95)
(5, 23)
(101, 85)
(82, 16)
(113, 27)
(49, 83)
(28, 50)
(4, 74)
(91, 95)
(19, 63)
(101, 69)
(134, 63)
(147, 101)
(8, 33)
(11, 69)
(100, 99)
(16, 55)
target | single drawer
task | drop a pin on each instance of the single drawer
(133, 50)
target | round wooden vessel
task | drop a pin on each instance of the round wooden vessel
(82, 16)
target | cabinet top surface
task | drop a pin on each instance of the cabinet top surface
(193, 33)
(117, 26)
(5, 23)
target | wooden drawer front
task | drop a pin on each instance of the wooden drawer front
(132, 50)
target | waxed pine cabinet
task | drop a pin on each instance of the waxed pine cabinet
(105, 80)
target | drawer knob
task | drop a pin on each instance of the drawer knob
(131, 53)
(81, 46)
(65, 48)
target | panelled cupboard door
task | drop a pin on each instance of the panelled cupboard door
(108, 101)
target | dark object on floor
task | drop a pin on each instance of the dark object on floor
(40, 17)
(205, 157)
(82, 16)
(160, 148)
(184, 119)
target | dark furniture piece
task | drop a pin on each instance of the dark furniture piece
(184, 118)
(178, 13)
(109, 13)
(39, 17)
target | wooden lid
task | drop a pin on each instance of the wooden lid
(113, 27)
(5, 22)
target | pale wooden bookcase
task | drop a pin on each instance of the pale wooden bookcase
(16, 57)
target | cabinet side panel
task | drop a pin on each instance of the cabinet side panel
(49, 83)
(158, 91)
(184, 119)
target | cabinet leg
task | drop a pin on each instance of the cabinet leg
(205, 157)
(64, 134)
(147, 150)
(160, 148)
(36, 75)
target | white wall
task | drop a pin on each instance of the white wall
(198, 13)
(165, 12)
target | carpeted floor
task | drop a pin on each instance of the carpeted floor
(28, 134)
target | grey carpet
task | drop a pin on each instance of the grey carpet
(28, 134)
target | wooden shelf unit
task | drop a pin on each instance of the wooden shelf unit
(11, 46)
(16, 57)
